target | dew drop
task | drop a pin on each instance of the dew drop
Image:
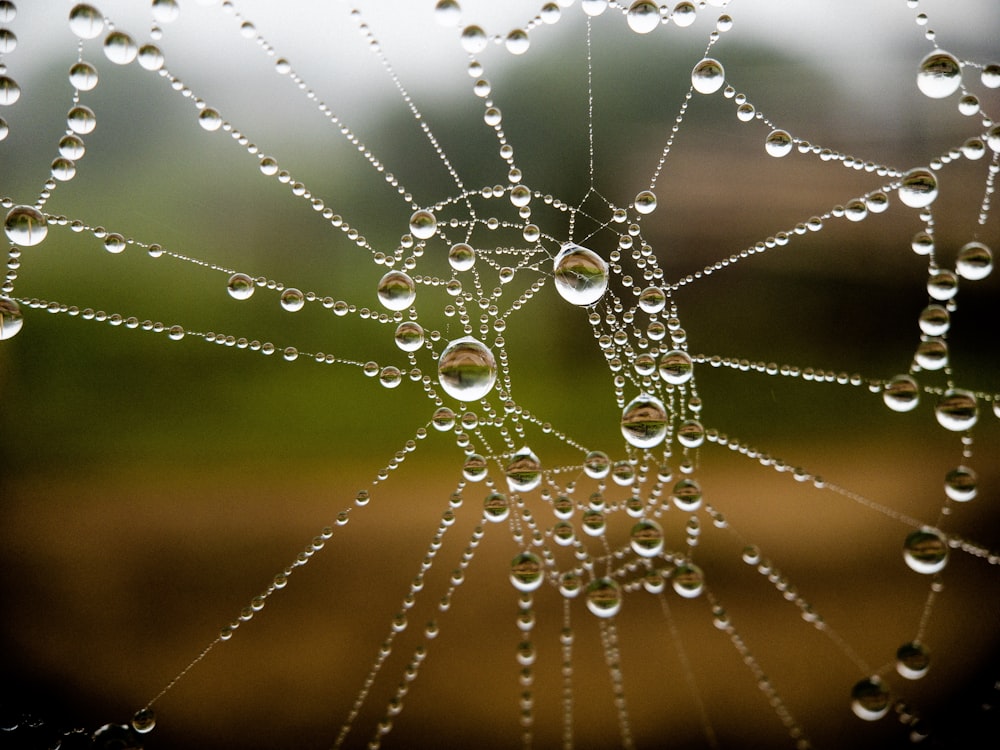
(447, 12)
(210, 119)
(517, 42)
(975, 261)
(604, 597)
(25, 225)
(939, 75)
(409, 336)
(292, 300)
(467, 369)
(960, 484)
(688, 580)
(686, 495)
(520, 196)
(120, 48)
(597, 465)
(918, 188)
(150, 57)
(165, 11)
(708, 76)
(83, 76)
(691, 433)
(10, 318)
(114, 243)
(647, 538)
(144, 720)
(240, 286)
(912, 660)
(526, 572)
(423, 224)
(644, 421)
(925, 552)
(474, 468)
(645, 202)
(10, 92)
(461, 256)
(396, 290)
(942, 284)
(956, 410)
(81, 120)
(496, 509)
(86, 21)
(594, 7)
(870, 699)
(581, 275)
(390, 377)
(652, 300)
(643, 16)
(524, 472)
(684, 14)
(474, 39)
(676, 367)
(935, 320)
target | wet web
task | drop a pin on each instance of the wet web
(628, 377)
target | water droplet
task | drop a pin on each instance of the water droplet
(687, 495)
(647, 538)
(81, 120)
(396, 290)
(935, 320)
(524, 472)
(870, 699)
(975, 261)
(708, 76)
(942, 284)
(86, 21)
(594, 7)
(925, 552)
(644, 421)
(443, 419)
(688, 580)
(581, 275)
(604, 597)
(10, 318)
(957, 410)
(210, 119)
(461, 256)
(960, 484)
(409, 336)
(144, 720)
(940, 75)
(423, 224)
(526, 572)
(120, 48)
(10, 92)
(150, 57)
(932, 353)
(495, 507)
(467, 369)
(570, 585)
(240, 286)
(596, 465)
(901, 394)
(593, 522)
(114, 243)
(474, 39)
(918, 188)
(912, 660)
(645, 202)
(643, 16)
(83, 76)
(676, 367)
(684, 14)
(691, 433)
(922, 243)
(475, 468)
(517, 42)
(993, 138)
(292, 300)
(25, 225)
(390, 377)
(165, 11)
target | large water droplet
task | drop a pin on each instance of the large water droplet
(652, 300)
(10, 318)
(524, 472)
(240, 286)
(86, 21)
(901, 393)
(708, 76)
(594, 7)
(676, 367)
(10, 92)
(120, 48)
(461, 256)
(25, 225)
(517, 42)
(423, 225)
(210, 119)
(974, 262)
(870, 699)
(526, 572)
(581, 275)
(688, 580)
(645, 202)
(475, 468)
(467, 369)
(604, 597)
(292, 300)
(691, 433)
(912, 660)
(597, 465)
(165, 11)
(474, 39)
(647, 538)
(687, 495)
(957, 410)
(643, 16)
(81, 119)
(960, 484)
(83, 76)
(918, 188)
(496, 508)
(939, 75)
(396, 290)
(925, 552)
(409, 336)
(644, 421)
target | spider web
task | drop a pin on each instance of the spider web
(578, 386)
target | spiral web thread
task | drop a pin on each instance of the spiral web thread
(598, 524)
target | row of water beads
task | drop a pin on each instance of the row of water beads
(467, 369)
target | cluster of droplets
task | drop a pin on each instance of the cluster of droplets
(628, 300)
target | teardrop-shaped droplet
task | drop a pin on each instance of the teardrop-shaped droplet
(467, 369)
(644, 421)
(604, 597)
(25, 226)
(524, 472)
(423, 224)
(918, 188)
(581, 275)
(526, 573)
(925, 552)
(396, 290)
(939, 75)
(708, 76)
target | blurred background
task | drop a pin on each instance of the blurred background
(151, 488)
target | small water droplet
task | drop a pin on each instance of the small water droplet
(647, 538)
(524, 472)
(644, 421)
(957, 410)
(688, 580)
(292, 300)
(81, 120)
(691, 433)
(939, 75)
(942, 284)
(912, 660)
(423, 224)
(581, 275)
(495, 507)
(526, 572)
(409, 336)
(10, 92)
(396, 290)
(918, 188)
(708, 76)
(144, 720)
(925, 552)
(870, 699)
(86, 21)
(687, 495)
(114, 243)
(467, 369)
(935, 320)
(645, 202)
(475, 468)
(597, 465)
(604, 597)
(975, 261)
